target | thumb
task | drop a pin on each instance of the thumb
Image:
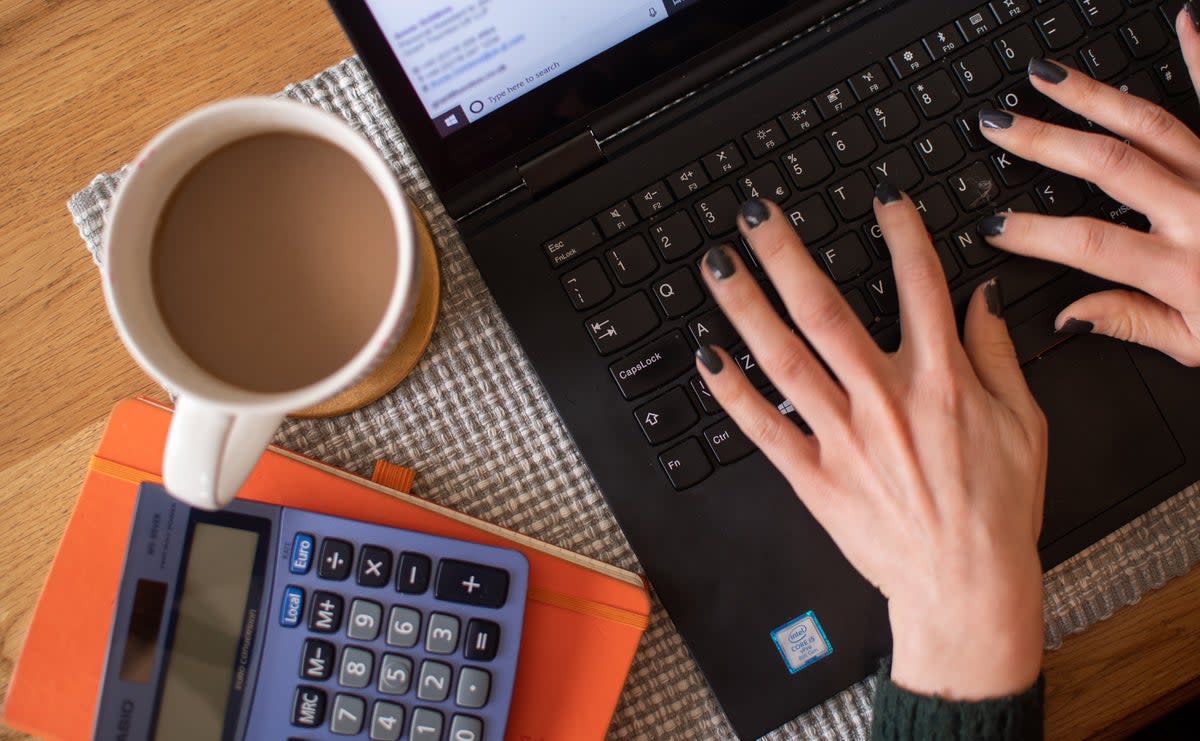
(990, 349)
(1133, 317)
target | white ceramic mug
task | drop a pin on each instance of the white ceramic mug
(219, 430)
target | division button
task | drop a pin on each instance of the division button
(336, 559)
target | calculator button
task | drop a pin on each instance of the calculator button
(293, 607)
(442, 637)
(474, 685)
(387, 721)
(471, 583)
(374, 566)
(412, 577)
(466, 728)
(326, 613)
(348, 714)
(336, 556)
(426, 725)
(365, 617)
(358, 667)
(308, 707)
(395, 674)
(404, 623)
(316, 662)
(483, 638)
(434, 684)
(302, 551)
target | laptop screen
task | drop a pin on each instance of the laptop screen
(466, 59)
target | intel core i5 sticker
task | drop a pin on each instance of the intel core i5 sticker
(802, 642)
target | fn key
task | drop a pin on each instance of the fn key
(686, 464)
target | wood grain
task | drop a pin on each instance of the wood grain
(85, 85)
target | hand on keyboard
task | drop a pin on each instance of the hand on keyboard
(926, 466)
(1156, 171)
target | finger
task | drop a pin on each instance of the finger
(782, 355)
(1187, 26)
(1148, 127)
(926, 314)
(991, 352)
(787, 447)
(1123, 172)
(1132, 317)
(1103, 249)
(813, 302)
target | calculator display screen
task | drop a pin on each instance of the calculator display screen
(210, 622)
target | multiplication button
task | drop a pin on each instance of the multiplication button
(374, 566)
(442, 637)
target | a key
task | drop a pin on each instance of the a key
(685, 464)
(571, 244)
(713, 328)
(935, 94)
(1017, 47)
(347, 715)
(845, 258)
(1141, 84)
(631, 261)
(365, 620)
(882, 290)
(587, 285)
(654, 365)
(807, 164)
(943, 41)
(1144, 36)
(834, 100)
(1119, 213)
(968, 128)
(433, 684)
(1104, 58)
(1061, 195)
(869, 82)
(1022, 99)
(678, 293)
(749, 366)
(676, 237)
(687, 180)
(316, 660)
(852, 196)
(1173, 74)
(851, 141)
(725, 160)
(666, 417)
(336, 558)
(862, 310)
(1170, 11)
(374, 566)
(1013, 169)
(482, 640)
(977, 71)
(412, 573)
(426, 725)
(387, 721)
(308, 707)
(474, 686)
(616, 219)
(910, 59)
(935, 208)
(701, 393)
(441, 636)
(718, 212)
(978, 22)
(395, 674)
(470, 583)
(765, 182)
(1009, 10)
(622, 324)
(897, 168)
(939, 150)
(727, 442)
(404, 625)
(357, 669)
(949, 264)
(1059, 27)
(874, 235)
(1099, 12)
(893, 117)
(801, 119)
(325, 616)
(764, 138)
(972, 247)
(974, 187)
(652, 200)
(811, 218)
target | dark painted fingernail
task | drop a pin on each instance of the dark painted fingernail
(755, 212)
(990, 118)
(992, 226)
(710, 359)
(887, 193)
(719, 263)
(1075, 326)
(1193, 14)
(994, 297)
(1046, 70)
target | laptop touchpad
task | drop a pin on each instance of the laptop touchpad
(1107, 438)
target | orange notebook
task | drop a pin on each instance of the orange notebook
(583, 618)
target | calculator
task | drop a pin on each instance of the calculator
(264, 622)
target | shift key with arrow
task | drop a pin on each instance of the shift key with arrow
(667, 417)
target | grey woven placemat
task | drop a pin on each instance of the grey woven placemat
(474, 421)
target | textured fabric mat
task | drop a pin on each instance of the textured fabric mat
(474, 421)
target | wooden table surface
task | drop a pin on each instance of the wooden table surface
(84, 85)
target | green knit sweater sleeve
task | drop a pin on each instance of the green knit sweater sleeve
(900, 714)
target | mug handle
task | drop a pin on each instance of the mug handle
(210, 453)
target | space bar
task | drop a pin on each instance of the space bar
(1019, 277)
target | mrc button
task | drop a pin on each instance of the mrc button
(302, 550)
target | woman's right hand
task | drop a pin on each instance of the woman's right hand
(1157, 172)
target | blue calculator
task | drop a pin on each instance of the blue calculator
(265, 622)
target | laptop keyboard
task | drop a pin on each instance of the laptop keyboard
(632, 271)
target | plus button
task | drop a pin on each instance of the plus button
(471, 584)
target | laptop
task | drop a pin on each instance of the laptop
(591, 152)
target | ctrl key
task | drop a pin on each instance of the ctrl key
(685, 464)
(308, 707)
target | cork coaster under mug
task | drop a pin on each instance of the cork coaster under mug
(395, 367)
